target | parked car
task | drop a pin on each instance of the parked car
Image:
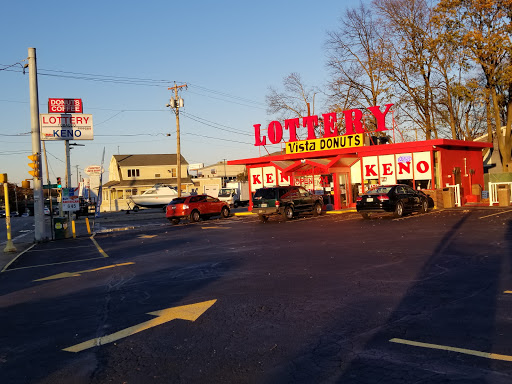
(397, 199)
(47, 211)
(2, 213)
(286, 201)
(195, 207)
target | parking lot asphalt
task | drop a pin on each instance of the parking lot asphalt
(127, 220)
(335, 298)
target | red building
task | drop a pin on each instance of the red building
(342, 173)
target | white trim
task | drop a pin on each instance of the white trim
(457, 194)
(493, 192)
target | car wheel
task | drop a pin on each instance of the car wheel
(235, 204)
(288, 212)
(174, 221)
(317, 209)
(366, 215)
(399, 210)
(136, 208)
(263, 218)
(424, 206)
(195, 216)
(224, 213)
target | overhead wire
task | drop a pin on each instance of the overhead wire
(150, 82)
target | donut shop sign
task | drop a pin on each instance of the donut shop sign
(353, 136)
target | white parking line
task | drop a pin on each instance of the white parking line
(495, 214)
(486, 355)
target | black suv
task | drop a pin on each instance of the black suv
(286, 201)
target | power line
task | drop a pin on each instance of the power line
(142, 82)
(216, 138)
(206, 122)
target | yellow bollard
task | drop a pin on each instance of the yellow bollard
(73, 228)
(88, 226)
(9, 245)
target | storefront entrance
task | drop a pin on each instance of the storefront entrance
(343, 184)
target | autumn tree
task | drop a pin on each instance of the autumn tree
(483, 28)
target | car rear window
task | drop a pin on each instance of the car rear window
(265, 193)
(178, 200)
(378, 190)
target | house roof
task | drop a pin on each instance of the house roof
(143, 160)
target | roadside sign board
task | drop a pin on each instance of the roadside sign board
(70, 199)
(50, 186)
(66, 126)
(65, 106)
(94, 170)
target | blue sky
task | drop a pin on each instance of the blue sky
(229, 52)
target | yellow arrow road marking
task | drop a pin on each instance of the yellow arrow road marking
(73, 274)
(146, 236)
(186, 312)
(487, 355)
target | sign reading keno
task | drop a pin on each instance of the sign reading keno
(353, 125)
(66, 127)
(65, 106)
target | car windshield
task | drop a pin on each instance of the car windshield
(225, 192)
(379, 191)
(265, 193)
(178, 200)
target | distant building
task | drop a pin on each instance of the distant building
(212, 178)
(134, 174)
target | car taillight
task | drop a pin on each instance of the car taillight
(383, 198)
(359, 198)
(277, 203)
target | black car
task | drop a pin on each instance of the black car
(396, 199)
(286, 201)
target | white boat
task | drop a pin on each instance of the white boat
(157, 196)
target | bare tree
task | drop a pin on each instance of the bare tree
(297, 99)
(355, 53)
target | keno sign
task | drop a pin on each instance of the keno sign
(65, 106)
(66, 127)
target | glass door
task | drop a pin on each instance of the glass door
(343, 180)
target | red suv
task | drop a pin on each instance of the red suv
(195, 207)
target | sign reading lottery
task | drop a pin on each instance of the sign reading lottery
(65, 106)
(354, 128)
(66, 127)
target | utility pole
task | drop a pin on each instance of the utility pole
(68, 164)
(225, 176)
(39, 230)
(176, 103)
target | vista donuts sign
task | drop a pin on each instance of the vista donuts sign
(353, 136)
